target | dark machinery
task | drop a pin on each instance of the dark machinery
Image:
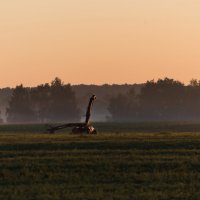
(79, 127)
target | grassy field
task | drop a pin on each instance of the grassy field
(144, 161)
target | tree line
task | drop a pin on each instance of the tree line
(54, 102)
(162, 100)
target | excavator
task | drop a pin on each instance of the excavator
(78, 128)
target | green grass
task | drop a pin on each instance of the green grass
(115, 164)
(139, 127)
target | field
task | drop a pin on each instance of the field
(143, 161)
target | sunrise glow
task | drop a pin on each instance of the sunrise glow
(96, 42)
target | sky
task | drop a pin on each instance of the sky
(98, 41)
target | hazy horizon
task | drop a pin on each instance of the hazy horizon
(98, 42)
(95, 84)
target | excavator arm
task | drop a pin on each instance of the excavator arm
(88, 112)
(78, 127)
(56, 128)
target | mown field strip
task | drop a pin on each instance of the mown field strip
(106, 166)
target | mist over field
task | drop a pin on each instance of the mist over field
(80, 94)
(56, 102)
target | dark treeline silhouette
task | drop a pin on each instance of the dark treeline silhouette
(5, 95)
(53, 102)
(43, 103)
(162, 100)
(104, 93)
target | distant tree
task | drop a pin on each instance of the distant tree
(162, 100)
(1, 120)
(20, 107)
(5, 96)
(124, 107)
(194, 83)
(41, 99)
(192, 100)
(63, 106)
(55, 102)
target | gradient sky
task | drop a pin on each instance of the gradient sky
(98, 41)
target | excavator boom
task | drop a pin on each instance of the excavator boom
(78, 127)
(88, 112)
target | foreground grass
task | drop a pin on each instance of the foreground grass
(106, 166)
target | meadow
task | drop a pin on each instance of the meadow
(142, 161)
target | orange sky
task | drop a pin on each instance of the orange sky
(98, 41)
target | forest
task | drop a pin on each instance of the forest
(162, 100)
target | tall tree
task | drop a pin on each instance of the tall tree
(1, 119)
(20, 107)
(124, 107)
(162, 100)
(63, 106)
(41, 99)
